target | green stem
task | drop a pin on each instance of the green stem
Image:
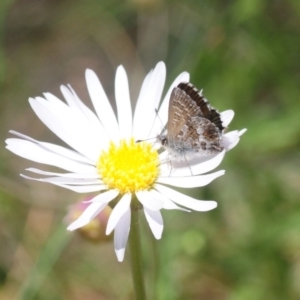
(136, 256)
(154, 267)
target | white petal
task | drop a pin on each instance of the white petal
(148, 102)
(231, 139)
(84, 188)
(102, 105)
(93, 209)
(62, 151)
(64, 180)
(139, 109)
(184, 200)
(151, 203)
(241, 132)
(155, 222)
(39, 154)
(119, 210)
(163, 110)
(90, 212)
(76, 104)
(205, 163)
(168, 204)
(121, 235)
(123, 103)
(158, 82)
(56, 101)
(72, 100)
(70, 175)
(69, 126)
(156, 89)
(226, 117)
(190, 181)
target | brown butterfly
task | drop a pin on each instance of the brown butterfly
(193, 127)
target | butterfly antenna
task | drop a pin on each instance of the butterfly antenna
(156, 116)
(138, 141)
(162, 124)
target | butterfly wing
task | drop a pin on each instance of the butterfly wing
(181, 111)
(193, 124)
(207, 111)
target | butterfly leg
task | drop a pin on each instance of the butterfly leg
(188, 165)
(171, 167)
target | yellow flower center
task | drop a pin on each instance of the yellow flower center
(129, 167)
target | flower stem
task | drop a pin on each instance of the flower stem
(136, 256)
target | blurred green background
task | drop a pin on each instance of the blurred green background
(245, 54)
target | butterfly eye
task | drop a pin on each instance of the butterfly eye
(164, 141)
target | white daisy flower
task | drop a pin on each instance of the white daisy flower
(105, 157)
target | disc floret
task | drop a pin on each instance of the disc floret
(129, 166)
